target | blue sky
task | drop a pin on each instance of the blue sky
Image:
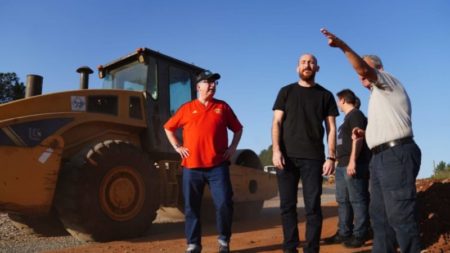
(254, 45)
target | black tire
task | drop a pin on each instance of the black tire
(45, 226)
(248, 158)
(110, 192)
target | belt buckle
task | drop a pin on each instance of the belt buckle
(392, 144)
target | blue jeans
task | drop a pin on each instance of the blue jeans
(393, 208)
(194, 181)
(310, 172)
(352, 195)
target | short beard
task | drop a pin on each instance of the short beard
(308, 78)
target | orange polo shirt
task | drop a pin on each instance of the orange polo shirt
(204, 131)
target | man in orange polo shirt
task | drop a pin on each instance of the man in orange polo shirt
(205, 157)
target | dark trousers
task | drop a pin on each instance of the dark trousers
(352, 195)
(194, 181)
(393, 208)
(310, 172)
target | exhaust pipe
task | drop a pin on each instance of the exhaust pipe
(33, 85)
(84, 71)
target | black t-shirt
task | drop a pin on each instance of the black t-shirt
(305, 109)
(355, 118)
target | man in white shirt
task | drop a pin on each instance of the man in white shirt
(396, 157)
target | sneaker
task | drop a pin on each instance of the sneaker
(355, 242)
(193, 248)
(224, 249)
(336, 239)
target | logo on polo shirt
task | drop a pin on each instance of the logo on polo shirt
(218, 111)
(194, 112)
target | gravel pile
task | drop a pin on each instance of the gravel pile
(14, 240)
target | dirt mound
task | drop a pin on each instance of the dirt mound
(433, 201)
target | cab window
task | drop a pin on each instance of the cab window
(132, 76)
(180, 88)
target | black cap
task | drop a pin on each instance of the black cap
(207, 75)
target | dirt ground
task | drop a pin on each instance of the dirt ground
(433, 201)
(263, 233)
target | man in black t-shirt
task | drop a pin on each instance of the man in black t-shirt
(352, 176)
(300, 110)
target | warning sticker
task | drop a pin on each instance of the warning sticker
(78, 103)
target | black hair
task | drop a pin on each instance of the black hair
(348, 96)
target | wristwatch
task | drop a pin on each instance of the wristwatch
(331, 158)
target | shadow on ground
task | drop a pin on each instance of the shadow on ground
(268, 218)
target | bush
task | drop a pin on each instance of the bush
(441, 174)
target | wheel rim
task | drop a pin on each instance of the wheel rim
(122, 193)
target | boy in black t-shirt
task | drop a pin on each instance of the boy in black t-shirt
(352, 176)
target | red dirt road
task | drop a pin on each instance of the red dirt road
(264, 234)
(260, 234)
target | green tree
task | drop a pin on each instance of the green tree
(440, 167)
(441, 170)
(10, 87)
(266, 156)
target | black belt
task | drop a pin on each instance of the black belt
(391, 144)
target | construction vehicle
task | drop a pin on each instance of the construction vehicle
(98, 160)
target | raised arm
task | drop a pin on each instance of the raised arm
(364, 70)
